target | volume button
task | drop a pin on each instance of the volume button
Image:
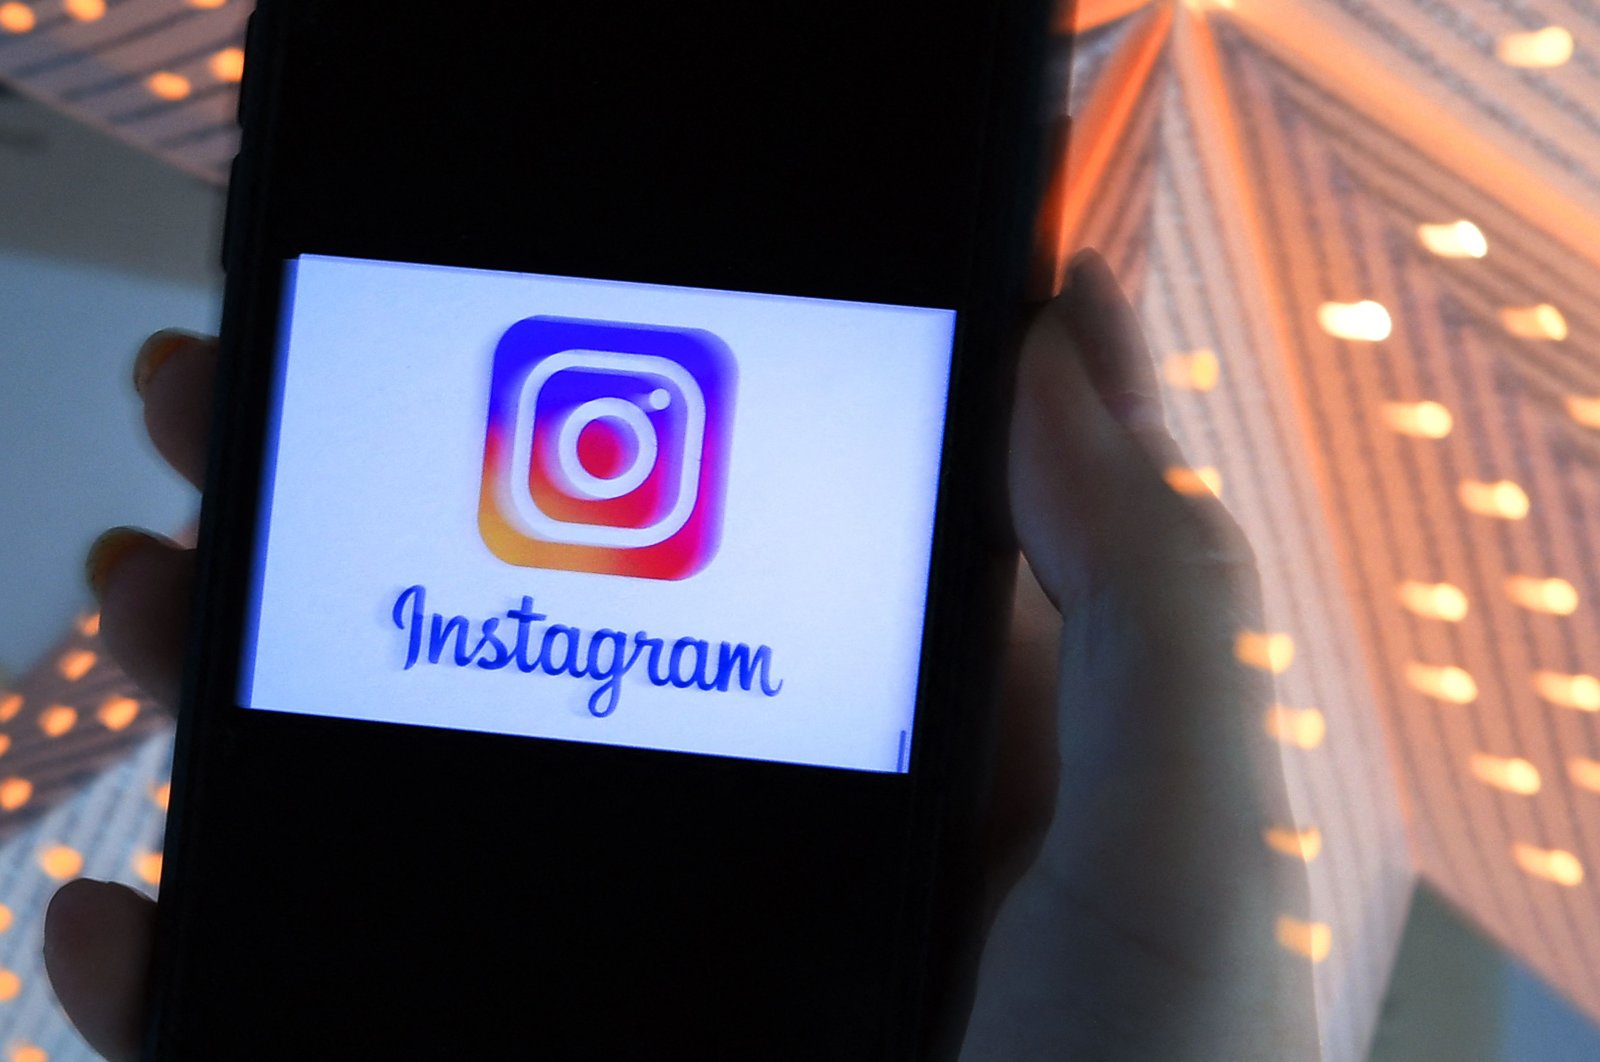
(230, 216)
(244, 80)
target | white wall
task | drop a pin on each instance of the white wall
(99, 246)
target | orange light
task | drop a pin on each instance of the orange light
(59, 861)
(1312, 940)
(15, 792)
(1554, 596)
(228, 64)
(1195, 371)
(1584, 410)
(1503, 499)
(58, 719)
(89, 625)
(75, 664)
(1268, 652)
(1551, 864)
(1422, 420)
(117, 712)
(10, 985)
(1534, 322)
(1581, 692)
(167, 85)
(207, 5)
(1195, 482)
(1536, 49)
(5, 918)
(1303, 728)
(10, 705)
(5, 744)
(1449, 684)
(1456, 239)
(1585, 773)
(28, 1053)
(148, 867)
(1434, 600)
(86, 10)
(162, 795)
(1365, 321)
(1303, 844)
(17, 18)
(1511, 774)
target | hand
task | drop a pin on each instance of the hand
(1147, 900)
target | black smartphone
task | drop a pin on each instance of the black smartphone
(604, 555)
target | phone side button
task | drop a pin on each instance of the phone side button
(230, 222)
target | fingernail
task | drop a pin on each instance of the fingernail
(107, 551)
(156, 352)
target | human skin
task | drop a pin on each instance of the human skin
(1132, 901)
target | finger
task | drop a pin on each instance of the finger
(143, 584)
(1111, 340)
(174, 373)
(97, 939)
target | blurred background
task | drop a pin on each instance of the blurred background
(1365, 242)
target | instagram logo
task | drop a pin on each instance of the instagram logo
(607, 447)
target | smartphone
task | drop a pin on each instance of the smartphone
(604, 558)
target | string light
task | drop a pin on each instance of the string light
(1508, 773)
(1303, 844)
(1584, 409)
(28, 1053)
(228, 64)
(58, 719)
(1554, 596)
(168, 86)
(1303, 728)
(10, 705)
(5, 918)
(1551, 864)
(118, 712)
(1423, 420)
(161, 795)
(60, 861)
(1312, 940)
(1534, 322)
(1585, 773)
(1581, 692)
(1267, 652)
(148, 867)
(1456, 239)
(89, 625)
(75, 664)
(1502, 499)
(207, 5)
(1366, 321)
(15, 792)
(1449, 684)
(5, 744)
(1195, 371)
(1195, 482)
(1434, 600)
(10, 985)
(86, 10)
(17, 17)
(1536, 49)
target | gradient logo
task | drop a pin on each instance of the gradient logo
(607, 447)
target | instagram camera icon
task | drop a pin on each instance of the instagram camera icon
(607, 447)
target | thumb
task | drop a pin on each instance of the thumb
(1090, 450)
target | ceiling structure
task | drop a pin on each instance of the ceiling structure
(1402, 409)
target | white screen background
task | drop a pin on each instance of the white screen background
(837, 427)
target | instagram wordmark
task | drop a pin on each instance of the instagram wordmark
(607, 447)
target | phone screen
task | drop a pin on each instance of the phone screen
(587, 510)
